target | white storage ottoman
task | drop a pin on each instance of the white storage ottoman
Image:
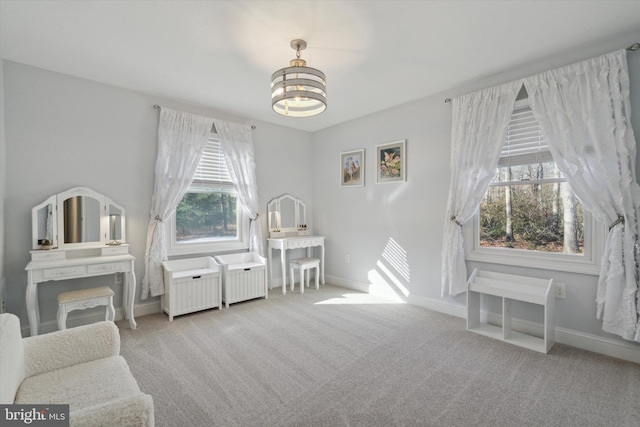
(190, 285)
(244, 277)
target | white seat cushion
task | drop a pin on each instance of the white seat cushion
(82, 294)
(82, 385)
(305, 261)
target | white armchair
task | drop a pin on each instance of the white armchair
(81, 367)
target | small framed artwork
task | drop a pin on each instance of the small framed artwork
(352, 168)
(391, 162)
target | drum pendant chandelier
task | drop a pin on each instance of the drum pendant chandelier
(298, 91)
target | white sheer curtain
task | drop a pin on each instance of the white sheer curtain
(237, 146)
(181, 141)
(477, 133)
(584, 112)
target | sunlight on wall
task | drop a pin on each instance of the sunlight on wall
(384, 278)
(392, 274)
(387, 281)
(396, 256)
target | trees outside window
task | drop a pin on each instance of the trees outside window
(209, 217)
(529, 204)
(206, 215)
(531, 207)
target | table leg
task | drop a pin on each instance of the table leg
(270, 266)
(283, 259)
(33, 309)
(129, 295)
(125, 295)
(322, 263)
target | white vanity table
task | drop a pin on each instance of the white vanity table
(78, 233)
(288, 230)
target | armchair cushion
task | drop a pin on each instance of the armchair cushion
(130, 411)
(44, 353)
(82, 385)
(12, 366)
(80, 367)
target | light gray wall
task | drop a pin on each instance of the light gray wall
(3, 181)
(63, 132)
(363, 221)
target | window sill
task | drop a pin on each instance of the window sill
(211, 248)
(568, 263)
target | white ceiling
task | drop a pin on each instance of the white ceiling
(376, 54)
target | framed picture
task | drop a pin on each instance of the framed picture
(391, 163)
(352, 168)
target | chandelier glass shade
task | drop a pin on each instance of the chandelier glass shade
(298, 90)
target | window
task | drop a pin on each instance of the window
(529, 215)
(209, 218)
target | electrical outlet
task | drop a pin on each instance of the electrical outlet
(347, 258)
(561, 291)
(117, 279)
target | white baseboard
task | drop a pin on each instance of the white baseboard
(148, 307)
(79, 318)
(349, 284)
(602, 345)
(428, 303)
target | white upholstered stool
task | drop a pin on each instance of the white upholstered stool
(85, 298)
(304, 264)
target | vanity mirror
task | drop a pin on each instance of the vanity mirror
(44, 220)
(287, 217)
(81, 219)
(77, 218)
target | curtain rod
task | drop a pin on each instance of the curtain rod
(157, 107)
(633, 48)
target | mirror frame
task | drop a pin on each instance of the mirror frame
(83, 192)
(274, 218)
(57, 203)
(123, 232)
(35, 222)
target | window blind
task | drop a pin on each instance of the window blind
(524, 141)
(212, 172)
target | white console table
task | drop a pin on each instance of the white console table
(296, 242)
(49, 266)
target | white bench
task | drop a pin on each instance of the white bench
(85, 298)
(303, 264)
(510, 287)
(190, 285)
(244, 277)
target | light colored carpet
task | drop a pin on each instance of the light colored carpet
(333, 357)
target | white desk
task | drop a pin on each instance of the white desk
(285, 243)
(52, 265)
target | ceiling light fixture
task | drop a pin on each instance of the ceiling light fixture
(298, 91)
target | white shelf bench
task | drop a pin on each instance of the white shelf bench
(190, 285)
(509, 288)
(244, 277)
